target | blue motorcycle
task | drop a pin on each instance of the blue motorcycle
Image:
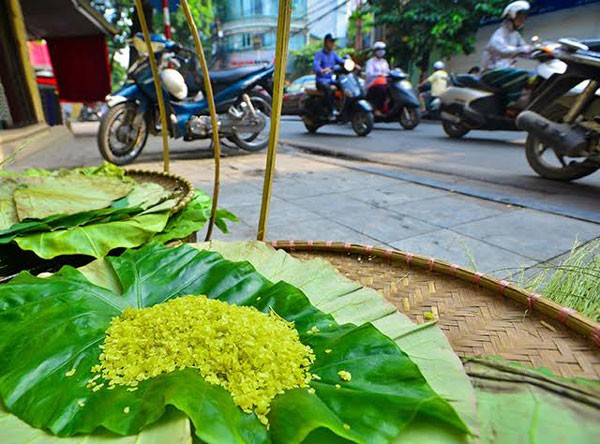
(242, 98)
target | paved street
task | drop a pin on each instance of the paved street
(483, 164)
(325, 198)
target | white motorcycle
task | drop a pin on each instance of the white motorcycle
(563, 121)
(471, 104)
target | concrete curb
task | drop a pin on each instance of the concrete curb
(339, 156)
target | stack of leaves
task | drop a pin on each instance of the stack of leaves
(376, 377)
(91, 211)
(363, 387)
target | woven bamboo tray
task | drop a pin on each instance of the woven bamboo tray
(179, 186)
(480, 315)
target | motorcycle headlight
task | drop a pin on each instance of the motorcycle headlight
(406, 84)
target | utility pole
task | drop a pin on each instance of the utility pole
(167, 18)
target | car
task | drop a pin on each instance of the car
(294, 95)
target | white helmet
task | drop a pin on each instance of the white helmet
(514, 8)
(174, 83)
(439, 65)
(379, 45)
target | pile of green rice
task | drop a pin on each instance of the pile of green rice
(253, 355)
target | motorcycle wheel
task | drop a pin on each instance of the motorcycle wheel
(256, 141)
(409, 118)
(454, 130)
(310, 125)
(122, 135)
(561, 169)
(362, 122)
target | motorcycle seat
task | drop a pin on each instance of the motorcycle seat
(470, 81)
(593, 44)
(235, 74)
(313, 92)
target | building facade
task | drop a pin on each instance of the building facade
(330, 16)
(250, 30)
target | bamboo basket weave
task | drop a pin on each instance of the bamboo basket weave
(480, 315)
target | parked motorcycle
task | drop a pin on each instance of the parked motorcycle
(561, 124)
(469, 103)
(243, 107)
(350, 103)
(90, 112)
(401, 104)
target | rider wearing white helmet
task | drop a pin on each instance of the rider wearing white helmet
(377, 70)
(506, 43)
(500, 53)
(439, 83)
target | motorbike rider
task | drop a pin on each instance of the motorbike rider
(500, 53)
(438, 81)
(377, 70)
(323, 64)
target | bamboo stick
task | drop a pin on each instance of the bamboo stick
(159, 92)
(283, 36)
(213, 115)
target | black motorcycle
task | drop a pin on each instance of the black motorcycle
(563, 121)
(401, 104)
(350, 104)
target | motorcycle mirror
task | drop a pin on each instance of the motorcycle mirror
(573, 45)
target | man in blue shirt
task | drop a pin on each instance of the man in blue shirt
(323, 65)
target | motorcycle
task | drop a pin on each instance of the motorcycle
(350, 103)
(469, 103)
(565, 125)
(401, 104)
(432, 103)
(132, 114)
(89, 113)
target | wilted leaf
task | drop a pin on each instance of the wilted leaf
(40, 197)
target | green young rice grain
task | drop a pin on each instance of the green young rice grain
(253, 355)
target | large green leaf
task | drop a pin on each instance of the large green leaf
(348, 301)
(106, 169)
(173, 428)
(96, 239)
(192, 218)
(50, 326)
(518, 404)
(8, 211)
(37, 198)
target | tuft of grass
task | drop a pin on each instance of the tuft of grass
(575, 282)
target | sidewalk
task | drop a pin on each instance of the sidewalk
(316, 200)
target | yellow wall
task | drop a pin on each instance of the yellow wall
(16, 17)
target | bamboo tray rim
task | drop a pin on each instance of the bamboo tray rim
(530, 300)
(187, 186)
